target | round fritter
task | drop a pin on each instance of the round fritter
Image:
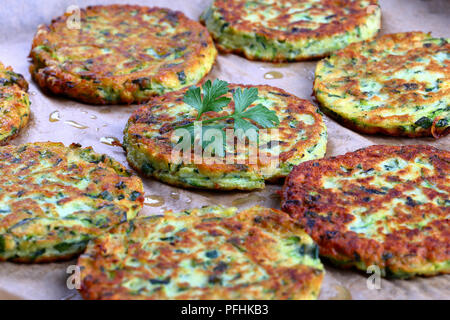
(149, 141)
(290, 30)
(258, 253)
(14, 103)
(54, 199)
(387, 206)
(398, 85)
(120, 54)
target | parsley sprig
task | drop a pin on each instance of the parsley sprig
(214, 99)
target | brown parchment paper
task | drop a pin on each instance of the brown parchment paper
(90, 125)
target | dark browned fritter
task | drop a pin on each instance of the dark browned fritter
(387, 206)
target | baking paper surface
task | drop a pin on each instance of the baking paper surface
(90, 125)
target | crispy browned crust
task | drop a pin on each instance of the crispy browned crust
(325, 213)
(254, 231)
(42, 260)
(102, 73)
(14, 104)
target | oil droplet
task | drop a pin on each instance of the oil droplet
(281, 65)
(244, 200)
(75, 124)
(342, 293)
(110, 141)
(33, 93)
(175, 195)
(54, 116)
(273, 75)
(92, 116)
(154, 201)
(105, 110)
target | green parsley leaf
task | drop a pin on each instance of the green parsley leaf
(243, 99)
(241, 126)
(259, 114)
(212, 97)
(193, 98)
(244, 116)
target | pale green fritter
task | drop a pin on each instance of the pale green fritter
(54, 199)
(149, 141)
(398, 85)
(386, 206)
(208, 253)
(290, 30)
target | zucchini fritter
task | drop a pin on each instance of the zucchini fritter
(384, 205)
(14, 103)
(290, 30)
(149, 142)
(121, 54)
(54, 199)
(397, 85)
(208, 253)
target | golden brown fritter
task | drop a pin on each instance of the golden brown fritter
(121, 54)
(397, 85)
(149, 141)
(387, 206)
(208, 253)
(290, 30)
(54, 199)
(14, 104)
